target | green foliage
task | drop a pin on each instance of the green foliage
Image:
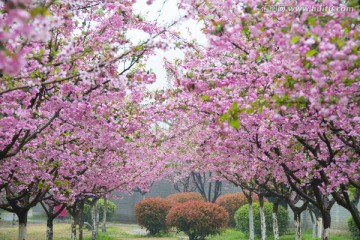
(198, 219)
(39, 11)
(111, 208)
(232, 202)
(311, 21)
(232, 116)
(182, 197)
(151, 214)
(242, 219)
(294, 40)
(311, 52)
(355, 232)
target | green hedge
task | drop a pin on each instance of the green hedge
(242, 219)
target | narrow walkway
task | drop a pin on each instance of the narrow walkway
(133, 228)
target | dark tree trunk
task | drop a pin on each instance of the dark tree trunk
(14, 219)
(297, 213)
(74, 210)
(50, 229)
(355, 214)
(73, 227)
(326, 216)
(324, 205)
(209, 192)
(51, 215)
(22, 216)
(345, 201)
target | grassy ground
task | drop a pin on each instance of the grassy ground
(62, 232)
(38, 231)
(122, 233)
(115, 232)
(231, 234)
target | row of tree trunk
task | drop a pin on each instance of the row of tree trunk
(76, 213)
(318, 229)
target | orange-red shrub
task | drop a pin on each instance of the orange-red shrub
(151, 214)
(182, 197)
(232, 202)
(198, 219)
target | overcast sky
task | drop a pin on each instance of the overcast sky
(168, 13)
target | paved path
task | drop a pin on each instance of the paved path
(136, 229)
(133, 229)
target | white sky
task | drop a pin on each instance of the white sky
(168, 13)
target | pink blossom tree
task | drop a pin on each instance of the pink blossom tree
(71, 85)
(287, 82)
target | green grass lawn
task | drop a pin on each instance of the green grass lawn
(232, 234)
(62, 232)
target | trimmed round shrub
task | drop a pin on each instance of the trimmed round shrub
(111, 208)
(151, 214)
(232, 202)
(355, 232)
(182, 197)
(198, 219)
(242, 219)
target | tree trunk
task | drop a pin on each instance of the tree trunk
(209, 189)
(326, 217)
(354, 213)
(262, 217)
(251, 219)
(93, 218)
(297, 213)
(316, 223)
(319, 227)
(49, 228)
(51, 215)
(73, 228)
(314, 229)
(14, 219)
(349, 204)
(22, 216)
(49, 222)
(324, 207)
(103, 229)
(325, 234)
(297, 220)
(81, 220)
(275, 220)
(97, 218)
